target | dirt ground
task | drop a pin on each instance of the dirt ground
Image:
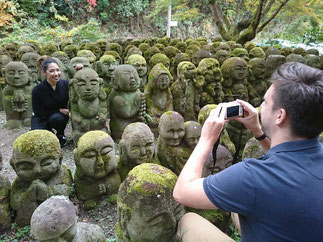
(104, 215)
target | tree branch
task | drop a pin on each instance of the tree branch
(272, 16)
(268, 7)
(222, 16)
(218, 21)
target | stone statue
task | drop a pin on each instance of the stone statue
(11, 49)
(132, 51)
(96, 173)
(150, 52)
(175, 62)
(48, 49)
(171, 52)
(257, 86)
(313, 61)
(273, 61)
(17, 95)
(139, 62)
(235, 72)
(224, 138)
(221, 56)
(74, 62)
(102, 44)
(200, 55)
(256, 52)
(159, 58)
(240, 52)
(30, 60)
(192, 134)
(147, 210)
(56, 220)
(23, 50)
(63, 57)
(158, 95)
(95, 49)
(136, 147)
(209, 68)
(87, 54)
(187, 90)
(71, 50)
(105, 67)
(88, 104)
(127, 103)
(252, 149)
(37, 160)
(5, 218)
(169, 143)
(4, 60)
(295, 58)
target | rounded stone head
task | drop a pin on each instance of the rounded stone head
(147, 210)
(23, 50)
(159, 77)
(199, 55)
(139, 63)
(36, 155)
(86, 83)
(107, 64)
(95, 154)
(235, 69)
(210, 69)
(240, 52)
(137, 144)
(55, 220)
(171, 128)
(125, 78)
(186, 70)
(17, 74)
(257, 68)
(159, 58)
(30, 59)
(63, 57)
(78, 60)
(222, 55)
(192, 133)
(87, 54)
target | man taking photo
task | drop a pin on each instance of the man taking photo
(279, 197)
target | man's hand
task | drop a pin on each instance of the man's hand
(213, 126)
(250, 119)
(64, 111)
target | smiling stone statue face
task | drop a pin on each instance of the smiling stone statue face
(146, 209)
(171, 128)
(95, 154)
(87, 84)
(16, 74)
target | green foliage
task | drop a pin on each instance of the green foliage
(90, 31)
(18, 233)
(130, 8)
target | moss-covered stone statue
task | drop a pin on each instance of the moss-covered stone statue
(240, 52)
(158, 95)
(71, 50)
(63, 57)
(235, 72)
(37, 160)
(56, 220)
(105, 68)
(11, 49)
(170, 145)
(17, 95)
(192, 49)
(88, 104)
(252, 149)
(48, 49)
(136, 147)
(257, 86)
(150, 52)
(74, 62)
(132, 51)
(89, 55)
(224, 138)
(175, 62)
(171, 52)
(313, 61)
(30, 60)
(4, 60)
(96, 175)
(273, 61)
(95, 49)
(102, 44)
(23, 50)
(127, 103)
(5, 218)
(139, 62)
(221, 56)
(147, 211)
(257, 52)
(200, 55)
(187, 91)
(295, 58)
(209, 68)
(272, 51)
(159, 58)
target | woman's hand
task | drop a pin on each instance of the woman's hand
(65, 111)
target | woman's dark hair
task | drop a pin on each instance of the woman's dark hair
(299, 90)
(44, 61)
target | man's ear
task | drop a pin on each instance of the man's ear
(281, 116)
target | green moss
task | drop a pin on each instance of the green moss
(239, 52)
(150, 179)
(88, 54)
(118, 230)
(37, 143)
(159, 58)
(89, 139)
(90, 204)
(107, 59)
(158, 70)
(136, 59)
(112, 199)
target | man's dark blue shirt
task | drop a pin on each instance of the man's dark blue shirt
(278, 197)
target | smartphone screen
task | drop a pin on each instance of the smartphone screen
(232, 111)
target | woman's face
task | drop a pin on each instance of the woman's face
(53, 73)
